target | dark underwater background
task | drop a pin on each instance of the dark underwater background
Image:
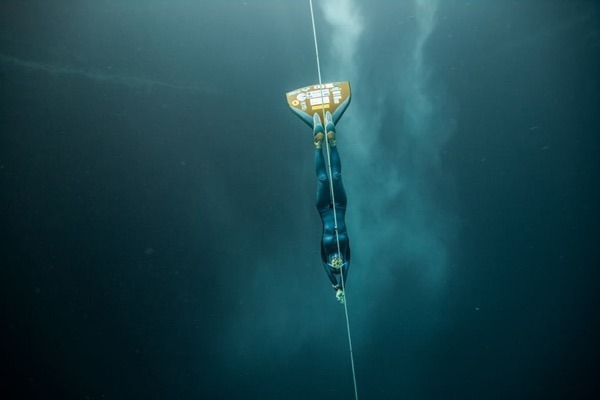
(159, 238)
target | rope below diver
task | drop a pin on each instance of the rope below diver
(337, 238)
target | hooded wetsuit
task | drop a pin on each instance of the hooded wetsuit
(329, 247)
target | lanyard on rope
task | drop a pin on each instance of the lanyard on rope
(337, 238)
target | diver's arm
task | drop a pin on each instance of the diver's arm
(330, 274)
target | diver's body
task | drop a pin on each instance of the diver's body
(334, 259)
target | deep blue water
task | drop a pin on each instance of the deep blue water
(159, 238)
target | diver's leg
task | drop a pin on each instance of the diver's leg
(336, 174)
(336, 165)
(318, 131)
(323, 195)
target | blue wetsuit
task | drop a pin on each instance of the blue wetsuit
(329, 247)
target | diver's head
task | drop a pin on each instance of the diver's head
(336, 263)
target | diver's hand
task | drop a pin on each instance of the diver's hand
(339, 295)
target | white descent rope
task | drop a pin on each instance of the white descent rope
(337, 238)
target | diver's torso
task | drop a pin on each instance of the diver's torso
(329, 241)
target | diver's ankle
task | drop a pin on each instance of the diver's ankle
(331, 138)
(319, 140)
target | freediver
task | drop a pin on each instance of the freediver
(333, 260)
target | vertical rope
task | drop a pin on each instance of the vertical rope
(337, 238)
